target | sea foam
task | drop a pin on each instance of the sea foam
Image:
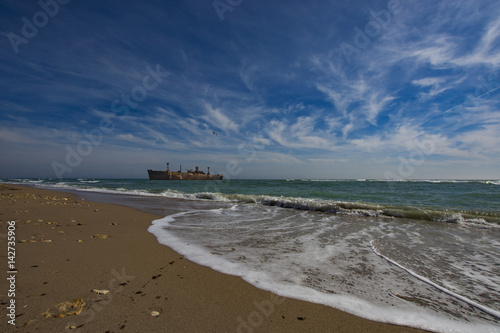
(330, 260)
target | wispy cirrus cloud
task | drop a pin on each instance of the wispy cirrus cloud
(270, 77)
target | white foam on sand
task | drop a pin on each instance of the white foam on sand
(481, 307)
(288, 273)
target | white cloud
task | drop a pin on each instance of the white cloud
(275, 157)
(11, 136)
(261, 141)
(485, 53)
(216, 118)
(376, 104)
(134, 139)
(38, 135)
(359, 100)
(485, 140)
(438, 50)
(328, 160)
(302, 133)
(346, 129)
(369, 144)
(436, 85)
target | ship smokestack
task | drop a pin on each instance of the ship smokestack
(208, 171)
(168, 166)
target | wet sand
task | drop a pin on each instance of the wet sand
(92, 267)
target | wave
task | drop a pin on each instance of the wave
(463, 218)
(88, 181)
(490, 220)
(402, 180)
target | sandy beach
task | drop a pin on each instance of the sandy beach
(91, 267)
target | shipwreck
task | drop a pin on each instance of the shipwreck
(179, 175)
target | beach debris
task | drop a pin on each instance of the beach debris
(22, 241)
(113, 223)
(301, 318)
(72, 327)
(100, 236)
(46, 240)
(80, 241)
(96, 210)
(100, 291)
(155, 314)
(64, 309)
(29, 322)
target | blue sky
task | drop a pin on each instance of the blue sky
(292, 89)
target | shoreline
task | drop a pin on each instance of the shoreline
(67, 248)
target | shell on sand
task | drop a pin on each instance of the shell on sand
(64, 309)
(155, 313)
(100, 292)
(100, 236)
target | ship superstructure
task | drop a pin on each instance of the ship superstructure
(179, 175)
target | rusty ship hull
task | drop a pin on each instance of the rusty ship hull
(178, 175)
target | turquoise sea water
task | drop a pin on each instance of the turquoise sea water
(419, 253)
(422, 199)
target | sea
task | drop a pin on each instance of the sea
(419, 253)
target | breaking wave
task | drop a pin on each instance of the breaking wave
(481, 217)
(463, 218)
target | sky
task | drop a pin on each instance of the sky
(391, 89)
